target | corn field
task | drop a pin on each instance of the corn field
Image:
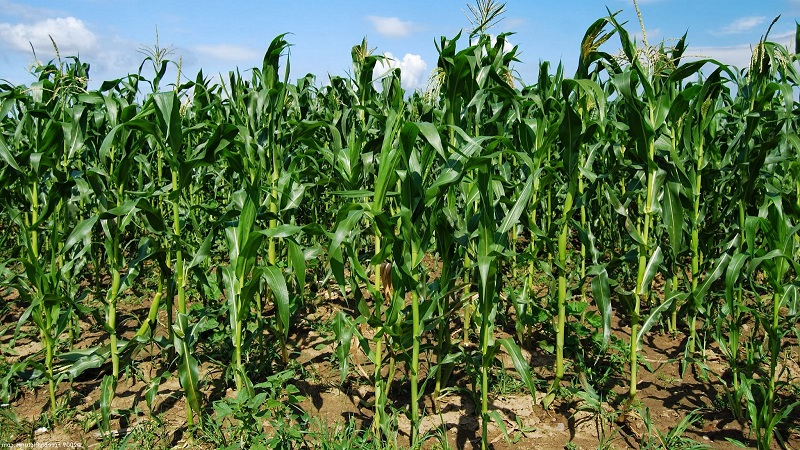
(483, 220)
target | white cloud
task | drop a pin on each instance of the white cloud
(392, 26)
(70, 34)
(736, 55)
(740, 55)
(784, 38)
(227, 52)
(412, 69)
(26, 12)
(741, 25)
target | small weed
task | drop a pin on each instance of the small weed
(668, 380)
(673, 439)
(12, 428)
(338, 436)
(308, 373)
(439, 436)
(265, 413)
(149, 434)
(503, 383)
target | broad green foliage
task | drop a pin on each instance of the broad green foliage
(661, 190)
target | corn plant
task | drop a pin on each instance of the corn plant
(574, 133)
(182, 160)
(775, 258)
(647, 85)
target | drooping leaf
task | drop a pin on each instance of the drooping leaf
(81, 233)
(719, 267)
(5, 155)
(188, 367)
(652, 318)
(280, 295)
(520, 205)
(601, 292)
(107, 388)
(522, 366)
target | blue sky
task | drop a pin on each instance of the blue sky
(220, 36)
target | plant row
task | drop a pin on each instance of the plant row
(434, 213)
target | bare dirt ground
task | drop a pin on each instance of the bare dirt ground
(666, 395)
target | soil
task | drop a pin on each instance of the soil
(664, 393)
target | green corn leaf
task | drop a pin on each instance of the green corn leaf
(293, 194)
(687, 70)
(616, 204)
(169, 120)
(751, 227)
(570, 132)
(628, 46)
(734, 271)
(498, 419)
(431, 134)
(653, 318)
(591, 89)
(143, 123)
(719, 267)
(246, 220)
(202, 252)
(207, 152)
(601, 291)
(189, 375)
(109, 142)
(336, 261)
(151, 392)
(796, 37)
(250, 289)
(388, 163)
(673, 217)
(298, 260)
(107, 388)
(81, 233)
(188, 367)
(249, 253)
(281, 231)
(232, 240)
(75, 362)
(651, 270)
(355, 193)
(521, 204)
(486, 257)
(633, 232)
(625, 83)
(155, 221)
(408, 138)
(522, 366)
(771, 256)
(343, 329)
(232, 289)
(791, 300)
(125, 211)
(57, 192)
(6, 155)
(280, 294)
